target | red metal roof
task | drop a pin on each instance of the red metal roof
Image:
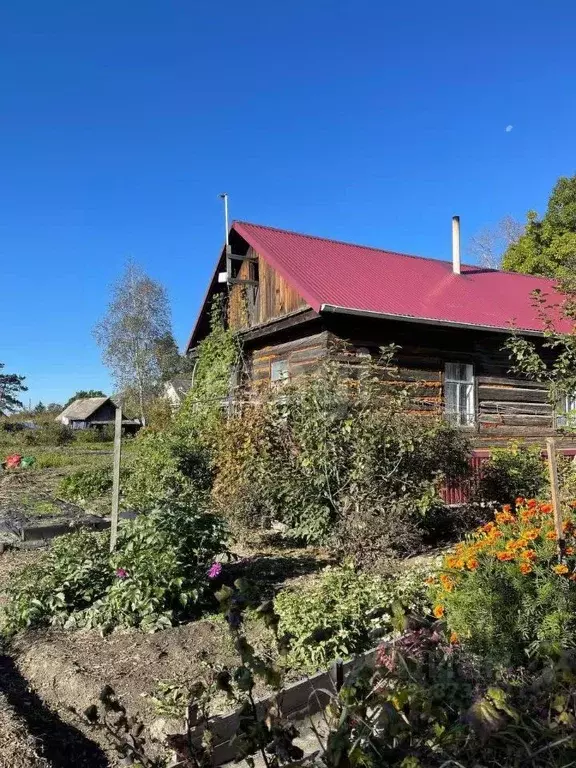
(331, 274)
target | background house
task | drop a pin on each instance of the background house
(296, 300)
(176, 389)
(95, 413)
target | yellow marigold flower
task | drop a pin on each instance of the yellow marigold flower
(529, 555)
(561, 569)
(551, 535)
(532, 534)
(504, 517)
(438, 611)
(525, 568)
(451, 561)
(453, 637)
(472, 564)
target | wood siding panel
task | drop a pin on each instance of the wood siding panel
(274, 297)
(303, 355)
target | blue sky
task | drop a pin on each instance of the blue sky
(120, 122)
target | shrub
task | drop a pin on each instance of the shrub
(54, 433)
(502, 591)
(90, 436)
(169, 466)
(517, 470)
(86, 484)
(344, 611)
(340, 458)
(156, 576)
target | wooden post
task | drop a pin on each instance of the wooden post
(555, 491)
(116, 478)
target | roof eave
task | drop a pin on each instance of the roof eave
(335, 309)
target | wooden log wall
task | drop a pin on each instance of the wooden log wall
(251, 305)
(303, 356)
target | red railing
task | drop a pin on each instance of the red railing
(461, 491)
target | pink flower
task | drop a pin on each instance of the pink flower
(215, 570)
(121, 573)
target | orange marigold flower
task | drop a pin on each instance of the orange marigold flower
(531, 503)
(472, 564)
(526, 515)
(451, 561)
(551, 535)
(545, 509)
(430, 580)
(525, 568)
(503, 556)
(519, 500)
(447, 582)
(569, 550)
(438, 611)
(488, 527)
(528, 555)
(504, 517)
(506, 508)
(532, 534)
(453, 637)
(561, 569)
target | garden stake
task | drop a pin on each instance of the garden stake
(555, 489)
(116, 479)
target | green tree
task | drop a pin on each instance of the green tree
(138, 317)
(10, 387)
(83, 393)
(170, 362)
(40, 408)
(548, 245)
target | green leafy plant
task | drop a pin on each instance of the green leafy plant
(517, 470)
(344, 612)
(86, 485)
(504, 593)
(338, 458)
(157, 575)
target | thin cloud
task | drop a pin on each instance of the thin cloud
(509, 128)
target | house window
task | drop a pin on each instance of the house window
(459, 400)
(279, 371)
(566, 415)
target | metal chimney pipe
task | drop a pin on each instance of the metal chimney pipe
(456, 245)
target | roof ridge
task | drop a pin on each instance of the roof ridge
(359, 245)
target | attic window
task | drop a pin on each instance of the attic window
(279, 371)
(459, 398)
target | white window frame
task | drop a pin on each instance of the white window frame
(566, 415)
(465, 387)
(279, 372)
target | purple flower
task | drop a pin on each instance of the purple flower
(215, 571)
(121, 573)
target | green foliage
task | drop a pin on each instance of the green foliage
(338, 457)
(170, 466)
(548, 245)
(503, 591)
(344, 611)
(552, 361)
(86, 484)
(517, 470)
(155, 577)
(11, 385)
(91, 436)
(175, 463)
(81, 394)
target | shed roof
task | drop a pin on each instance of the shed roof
(82, 409)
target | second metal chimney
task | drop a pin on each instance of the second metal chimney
(456, 245)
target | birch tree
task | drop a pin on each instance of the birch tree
(138, 316)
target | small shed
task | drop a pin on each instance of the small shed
(94, 413)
